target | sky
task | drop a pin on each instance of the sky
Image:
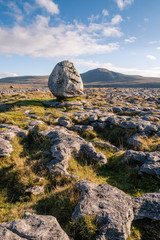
(120, 35)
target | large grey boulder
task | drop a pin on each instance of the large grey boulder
(64, 144)
(111, 207)
(147, 206)
(33, 226)
(65, 81)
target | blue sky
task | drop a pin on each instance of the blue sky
(121, 35)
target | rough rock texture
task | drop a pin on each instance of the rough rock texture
(150, 160)
(64, 121)
(36, 227)
(5, 147)
(36, 190)
(147, 206)
(65, 81)
(7, 132)
(64, 144)
(81, 128)
(34, 124)
(10, 131)
(111, 207)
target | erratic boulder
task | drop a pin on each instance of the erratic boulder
(111, 207)
(65, 81)
(33, 227)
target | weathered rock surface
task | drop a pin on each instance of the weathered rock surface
(10, 131)
(65, 81)
(5, 147)
(111, 207)
(150, 160)
(7, 133)
(36, 190)
(34, 124)
(33, 226)
(64, 121)
(81, 128)
(147, 206)
(65, 144)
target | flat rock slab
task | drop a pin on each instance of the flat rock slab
(147, 206)
(58, 104)
(111, 207)
(150, 161)
(33, 226)
(65, 144)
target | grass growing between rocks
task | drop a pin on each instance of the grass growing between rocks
(125, 177)
(27, 163)
(20, 172)
(117, 136)
(121, 175)
(149, 144)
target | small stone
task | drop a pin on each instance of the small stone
(36, 190)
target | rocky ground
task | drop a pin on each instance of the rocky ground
(84, 168)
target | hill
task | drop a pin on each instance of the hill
(25, 80)
(99, 77)
(102, 77)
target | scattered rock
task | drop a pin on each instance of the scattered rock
(81, 128)
(64, 144)
(36, 190)
(65, 81)
(147, 206)
(34, 124)
(111, 207)
(64, 121)
(10, 131)
(33, 226)
(150, 160)
(5, 147)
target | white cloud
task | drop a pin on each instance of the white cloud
(15, 11)
(6, 74)
(158, 48)
(50, 6)
(112, 32)
(153, 72)
(130, 40)
(151, 57)
(93, 18)
(123, 3)
(116, 20)
(105, 12)
(41, 40)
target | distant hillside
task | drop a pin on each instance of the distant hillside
(25, 80)
(99, 77)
